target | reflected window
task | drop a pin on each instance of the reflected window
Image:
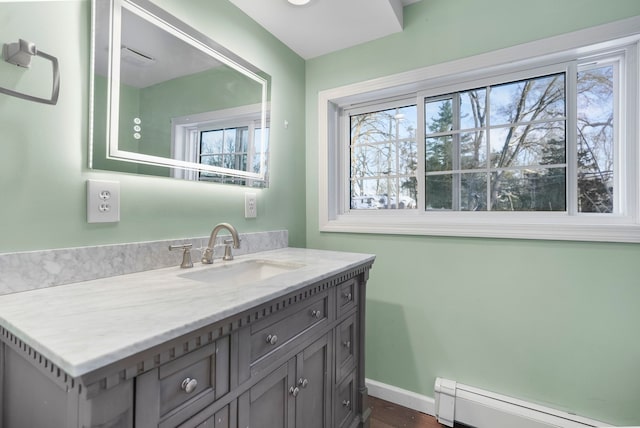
(239, 148)
(231, 140)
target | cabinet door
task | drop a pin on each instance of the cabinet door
(313, 409)
(270, 403)
(297, 394)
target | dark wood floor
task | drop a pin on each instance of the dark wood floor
(388, 415)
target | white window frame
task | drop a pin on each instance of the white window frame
(335, 214)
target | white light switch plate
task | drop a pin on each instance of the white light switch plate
(103, 201)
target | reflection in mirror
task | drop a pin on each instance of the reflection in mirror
(169, 101)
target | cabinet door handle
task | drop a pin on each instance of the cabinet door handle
(303, 382)
(294, 391)
(316, 314)
(347, 296)
(272, 339)
(347, 344)
(346, 403)
(189, 385)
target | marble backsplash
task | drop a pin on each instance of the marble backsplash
(25, 271)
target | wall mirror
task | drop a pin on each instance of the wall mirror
(169, 101)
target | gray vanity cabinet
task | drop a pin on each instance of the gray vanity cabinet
(292, 362)
(296, 394)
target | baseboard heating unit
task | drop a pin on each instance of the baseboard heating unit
(475, 407)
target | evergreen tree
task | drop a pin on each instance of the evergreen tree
(438, 158)
(549, 187)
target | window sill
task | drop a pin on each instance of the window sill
(488, 225)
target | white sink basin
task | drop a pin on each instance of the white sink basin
(241, 273)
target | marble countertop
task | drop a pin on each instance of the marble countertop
(84, 326)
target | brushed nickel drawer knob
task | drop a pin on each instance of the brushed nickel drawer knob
(347, 344)
(303, 382)
(189, 385)
(294, 391)
(346, 403)
(272, 339)
(316, 314)
(347, 296)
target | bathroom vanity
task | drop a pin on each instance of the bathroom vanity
(271, 339)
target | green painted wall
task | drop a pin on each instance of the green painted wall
(43, 166)
(199, 93)
(551, 322)
(480, 311)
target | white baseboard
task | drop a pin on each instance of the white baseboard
(485, 409)
(409, 399)
(476, 415)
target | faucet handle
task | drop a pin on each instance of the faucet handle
(186, 255)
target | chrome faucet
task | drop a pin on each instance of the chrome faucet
(207, 256)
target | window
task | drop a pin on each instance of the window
(383, 159)
(544, 148)
(232, 142)
(497, 148)
(500, 147)
(234, 147)
(226, 147)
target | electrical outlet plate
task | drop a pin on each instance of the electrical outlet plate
(103, 201)
(250, 205)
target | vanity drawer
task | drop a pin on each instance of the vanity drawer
(175, 391)
(271, 333)
(186, 378)
(346, 346)
(223, 418)
(347, 296)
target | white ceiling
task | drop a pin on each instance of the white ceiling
(324, 26)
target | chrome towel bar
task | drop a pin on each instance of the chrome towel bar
(20, 54)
